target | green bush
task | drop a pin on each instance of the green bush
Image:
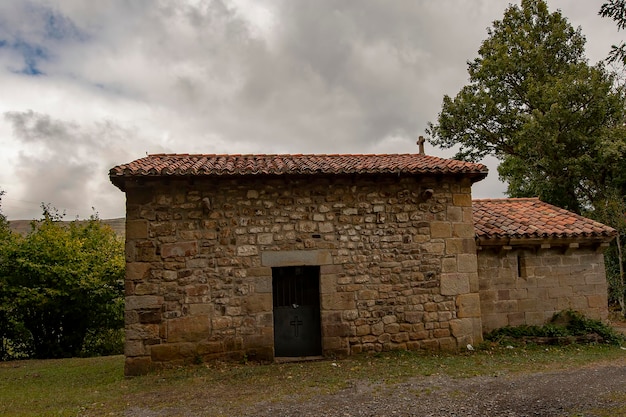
(104, 342)
(61, 290)
(564, 324)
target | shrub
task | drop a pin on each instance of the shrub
(563, 325)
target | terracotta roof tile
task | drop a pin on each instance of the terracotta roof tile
(236, 165)
(531, 218)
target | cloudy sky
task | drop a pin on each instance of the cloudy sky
(87, 85)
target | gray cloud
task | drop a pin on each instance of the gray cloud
(122, 78)
(65, 164)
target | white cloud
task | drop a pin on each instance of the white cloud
(118, 79)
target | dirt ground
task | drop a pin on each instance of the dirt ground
(595, 390)
(590, 391)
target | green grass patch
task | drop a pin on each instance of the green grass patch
(97, 387)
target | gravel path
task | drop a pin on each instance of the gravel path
(579, 392)
(594, 390)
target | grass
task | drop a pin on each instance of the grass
(97, 387)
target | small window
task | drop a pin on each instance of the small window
(521, 266)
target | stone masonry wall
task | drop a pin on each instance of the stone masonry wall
(529, 286)
(397, 270)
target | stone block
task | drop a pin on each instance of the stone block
(221, 323)
(435, 248)
(456, 246)
(136, 229)
(454, 284)
(468, 305)
(455, 214)
(534, 318)
(338, 301)
(399, 337)
(306, 226)
(134, 348)
(247, 250)
(449, 264)
(144, 288)
(296, 258)
(265, 238)
(462, 200)
(413, 316)
(332, 344)
(261, 271)
(440, 230)
(152, 316)
(135, 366)
(197, 309)
(188, 329)
(367, 295)
(462, 327)
(258, 341)
(145, 251)
(137, 302)
(466, 262)
(210, 347)
(137, 271)
(597, 300)
(463, 230)
(179, 249)
(257, 303)
(172, 351)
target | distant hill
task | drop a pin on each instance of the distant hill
(23, 226)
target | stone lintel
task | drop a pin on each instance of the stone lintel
(296, 258)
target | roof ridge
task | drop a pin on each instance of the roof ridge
(504, 199)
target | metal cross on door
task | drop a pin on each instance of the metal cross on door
(296, 295)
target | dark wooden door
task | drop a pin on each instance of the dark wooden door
(297, 330)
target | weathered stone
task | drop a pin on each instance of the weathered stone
(296, 258)
(137, 229)
(134, 366)
(188, 329)
(454, 284)
(468, 305)
(179, 249)
(247, 250)
(440, 230)
(143, 302)
(338, 301)
(136, 271)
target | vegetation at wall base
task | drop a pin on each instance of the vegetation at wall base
(566, 327)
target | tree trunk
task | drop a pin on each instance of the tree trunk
(622, 289)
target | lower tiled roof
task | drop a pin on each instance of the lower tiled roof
(185, 165)
(532, 218)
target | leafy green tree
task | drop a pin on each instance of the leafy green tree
(555, 123)
(13, 335)
(616, 10)
(613, 211)
(64, 285)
